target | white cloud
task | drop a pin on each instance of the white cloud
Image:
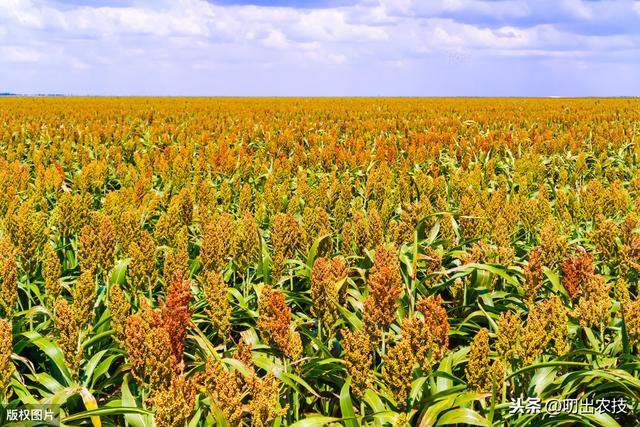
(157, 43)
(20, 54)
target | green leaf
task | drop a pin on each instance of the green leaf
(315, 421)
(119, 272)
(51, 350)
(313, 252)
(122, 410)
(346, 405)
(135, 419)
(463, 416)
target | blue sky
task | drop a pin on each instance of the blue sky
(321, 47)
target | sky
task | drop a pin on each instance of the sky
(321, 47)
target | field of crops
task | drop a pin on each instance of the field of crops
(312, 262)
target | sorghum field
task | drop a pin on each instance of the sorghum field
(312, 262)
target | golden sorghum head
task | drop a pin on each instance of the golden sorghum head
(576, 272)
(287, 238)
(136, 330)
(264, 405)
(437, 323)
(629, 224)
(6, 365)
(553, 243)
(398, 370)
(51, 274)
(88, 248)
(340, 213)
(591, 198)
(502, 231)
(178, 215)
(219, 308)
(604, 237)
(594, 304)
(508, 335)
(97, 244)
(28, 230)
(68, 335)
(621, 291)
(226, 195)
(84, 298)
(447, 232)
(225, 388)
(295, 346)
(375, 229)
(218, 243)
(385, 287)
(324, 293)
(71, 213)
(243, 353)
(159, 360)
(358, 360)
(247, 243)
(473, 220)
(346, 239)
(498, 371)
(533, 274)
(315, 222)
(424, 349)
(340, 271)
(142, 267)
(129, 229)
(274, 318)
(120, 309)
(401, 420)
(176, 314)
(478, 372)
(176, 262)
(558, 324)
(245, 203)
(547, 321)
(8, 278)
(632, 322)
(174, 404)
(183, 206)
(386, 257)
(107, 243)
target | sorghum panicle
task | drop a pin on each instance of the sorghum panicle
(479, 371)
(594, 304)
(247, 243)
(174, 404)
(263, 405)
(8, 278)
(508, 343)
(274, 319)
(385, 287)
(219, 308)
(120, 310)
(227, 390)
(218, 243)
(84, 299)
(160, 364)
(632, 323)
(6, 364)
(51, 273)
(358, 360)
(142, 267)
(287, 238)
(398, 368)
(176, 314)
(576, 272)
(68, 335)
(437, 322)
